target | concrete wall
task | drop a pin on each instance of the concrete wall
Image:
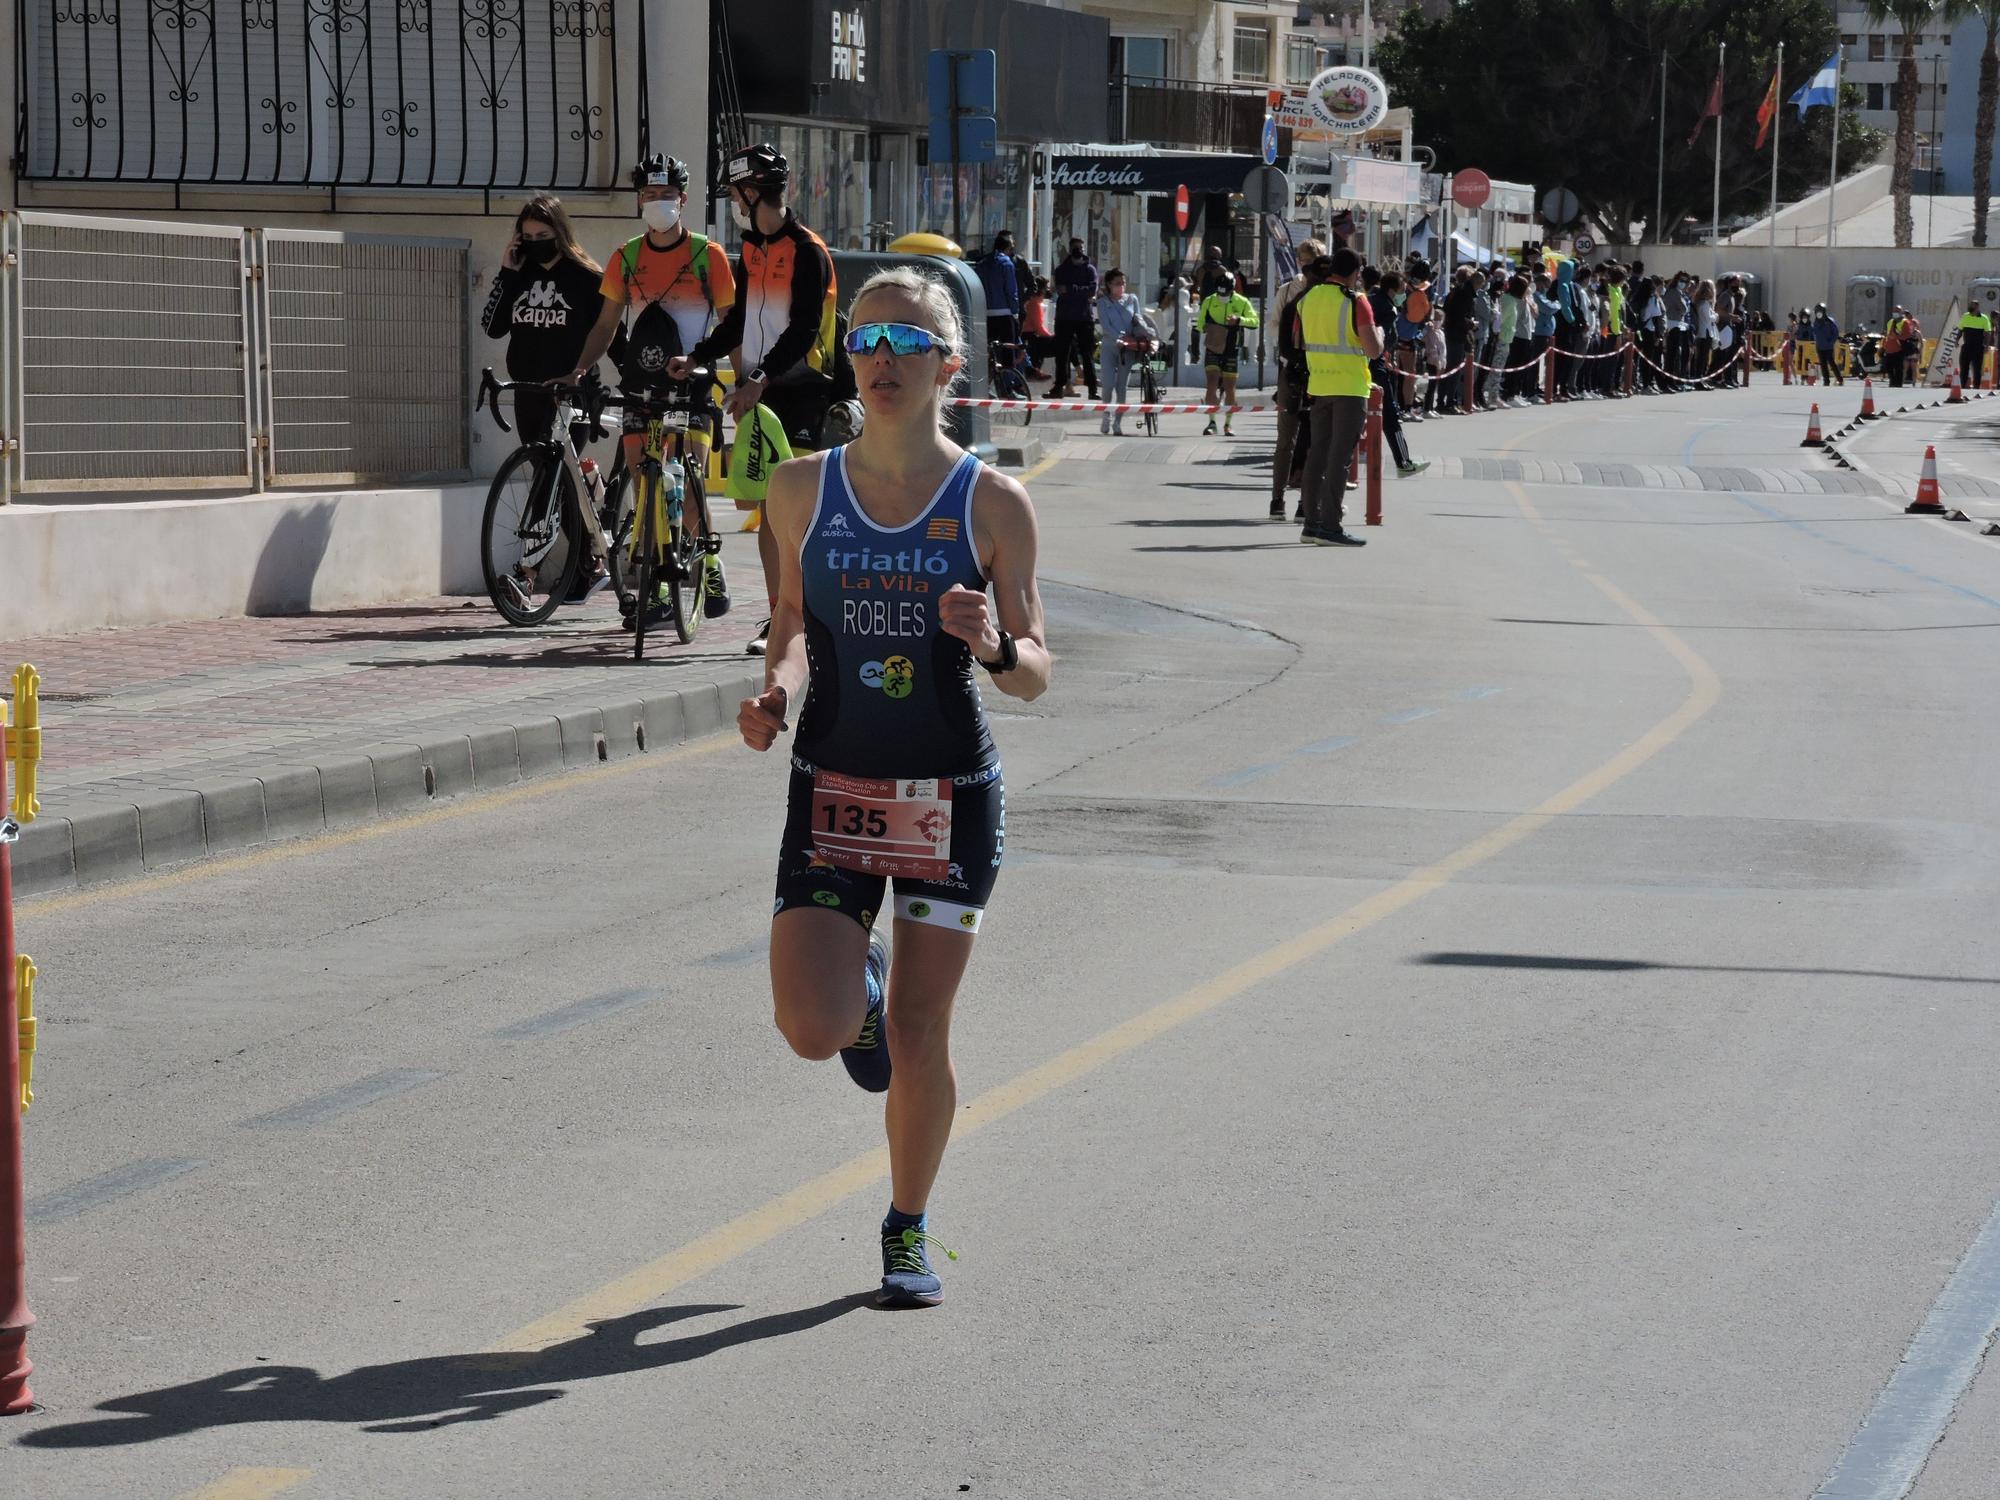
(1925, 280)
(66, 568)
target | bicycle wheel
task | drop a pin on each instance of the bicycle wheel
(691, 552)
(646, 561)
(1149, 392)
(615, 523)
(531, 539)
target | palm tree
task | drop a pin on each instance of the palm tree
(1911, 17)
(1982, 129)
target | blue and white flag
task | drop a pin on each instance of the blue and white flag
(1822, 88)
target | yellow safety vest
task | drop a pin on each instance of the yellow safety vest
(1977, 322)
(1336, 362)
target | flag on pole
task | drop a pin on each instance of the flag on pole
(1768, 110)
(1711, 110)
(1822, 88)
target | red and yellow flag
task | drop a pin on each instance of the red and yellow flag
(1768, 110)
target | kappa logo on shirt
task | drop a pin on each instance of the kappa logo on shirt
(836, 525)
(543, 307)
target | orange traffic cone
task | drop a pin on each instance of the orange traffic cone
(1957, 391)
(1868, 412)
(1813, 438)
(1986, 372)
(1927, 502)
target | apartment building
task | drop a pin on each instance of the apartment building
(1871, 51)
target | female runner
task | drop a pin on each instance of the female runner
(888, 546)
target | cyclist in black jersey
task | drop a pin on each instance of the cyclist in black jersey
(883, 625)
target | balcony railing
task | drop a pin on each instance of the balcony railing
(377, 93)
(1186, 116)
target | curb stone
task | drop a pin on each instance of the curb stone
(95, 839)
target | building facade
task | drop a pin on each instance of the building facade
(840, 87)
(368, 153)
(1871, 52)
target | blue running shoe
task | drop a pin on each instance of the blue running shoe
(867, 1057)
(907, 1278)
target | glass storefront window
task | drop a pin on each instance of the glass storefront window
(829, 178)
(996, 198)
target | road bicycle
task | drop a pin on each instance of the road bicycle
(672, 555)
(537, 536)
(1151, 391)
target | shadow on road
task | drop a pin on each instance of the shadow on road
(420, 1395)
(1641, 965)
(1220, 547)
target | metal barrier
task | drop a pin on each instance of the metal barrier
(405, 93)
(137, 353)
(128, 358)
(364, 342)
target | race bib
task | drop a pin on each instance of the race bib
(883, 827)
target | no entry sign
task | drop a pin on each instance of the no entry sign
(1471, 188)
(1181, 208)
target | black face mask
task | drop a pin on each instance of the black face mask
(1076, 254)
(548, 260)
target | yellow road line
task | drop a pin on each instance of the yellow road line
(249, 1484)
(789, 1210)
(1039, 469)
(476, 802)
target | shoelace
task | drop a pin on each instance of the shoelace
(871, 1029)
(906, 1250)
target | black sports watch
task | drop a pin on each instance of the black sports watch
(1010, 656)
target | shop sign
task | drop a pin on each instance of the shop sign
(849, 60)
(1070, 172)
(1347, 101)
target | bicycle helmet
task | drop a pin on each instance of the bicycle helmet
(760, 166)
(842, 425)
(661, 171)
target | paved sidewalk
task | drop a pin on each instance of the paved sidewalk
(172, 742)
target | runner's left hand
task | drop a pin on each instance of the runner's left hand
(968, 615)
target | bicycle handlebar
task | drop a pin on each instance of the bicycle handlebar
(595, 395)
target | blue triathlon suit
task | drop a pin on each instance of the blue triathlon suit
(891, 696)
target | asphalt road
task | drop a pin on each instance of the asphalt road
(1505, 1013)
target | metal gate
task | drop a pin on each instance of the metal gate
(128, 360)
(141, 354)
(364, 343)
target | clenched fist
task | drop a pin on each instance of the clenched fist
(964, 613)
(761, 720)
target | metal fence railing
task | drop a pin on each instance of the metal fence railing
(364, 341)
(140, 354)
(403, 93)
(129, 360)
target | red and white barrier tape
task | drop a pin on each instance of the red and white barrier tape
(1533, 364)
(1606, 354)
(1729, 364)
(1163, 408)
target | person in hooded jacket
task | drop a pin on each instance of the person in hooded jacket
(545, 301)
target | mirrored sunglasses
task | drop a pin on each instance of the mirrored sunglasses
(902, 338)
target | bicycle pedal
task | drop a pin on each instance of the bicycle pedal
(712, 545)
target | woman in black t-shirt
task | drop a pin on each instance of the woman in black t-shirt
(545, 301)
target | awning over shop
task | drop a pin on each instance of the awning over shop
(1201, 172)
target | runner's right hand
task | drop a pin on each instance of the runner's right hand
(761, 720)
(511, 256)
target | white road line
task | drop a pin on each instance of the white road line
(1885, 1457)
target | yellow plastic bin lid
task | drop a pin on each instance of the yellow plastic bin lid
(926, 244)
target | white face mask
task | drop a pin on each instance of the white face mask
(740, 213)
(662, 215)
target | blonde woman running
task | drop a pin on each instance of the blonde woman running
(888, 547)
